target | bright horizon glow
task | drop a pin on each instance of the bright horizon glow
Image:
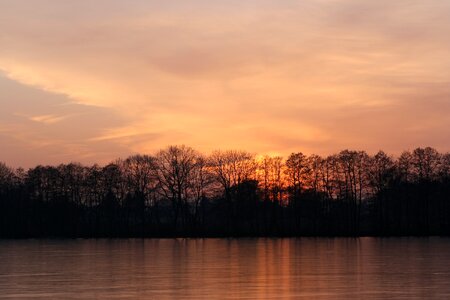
(92, 81)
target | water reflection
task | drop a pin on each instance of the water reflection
(226, 269)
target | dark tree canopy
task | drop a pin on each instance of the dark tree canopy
(181, 192)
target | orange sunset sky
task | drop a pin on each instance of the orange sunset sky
(91, 81)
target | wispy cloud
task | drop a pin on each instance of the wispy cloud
(48, 119)
(264, 75)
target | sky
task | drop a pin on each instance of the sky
(91, 81)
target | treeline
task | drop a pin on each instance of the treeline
(181, 192)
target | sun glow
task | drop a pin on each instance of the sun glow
(282, 77)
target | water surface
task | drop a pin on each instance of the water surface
(309, 268)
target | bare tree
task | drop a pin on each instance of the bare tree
(175, 168)
(353, 165)
(6, 175)
(201, 180)
(297, 171)
(425, 162)
(140, 172)
(232, 168)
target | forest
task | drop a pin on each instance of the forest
(180, 192)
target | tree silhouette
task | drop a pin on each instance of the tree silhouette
(181, 192)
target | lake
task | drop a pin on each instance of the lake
(309, 268)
